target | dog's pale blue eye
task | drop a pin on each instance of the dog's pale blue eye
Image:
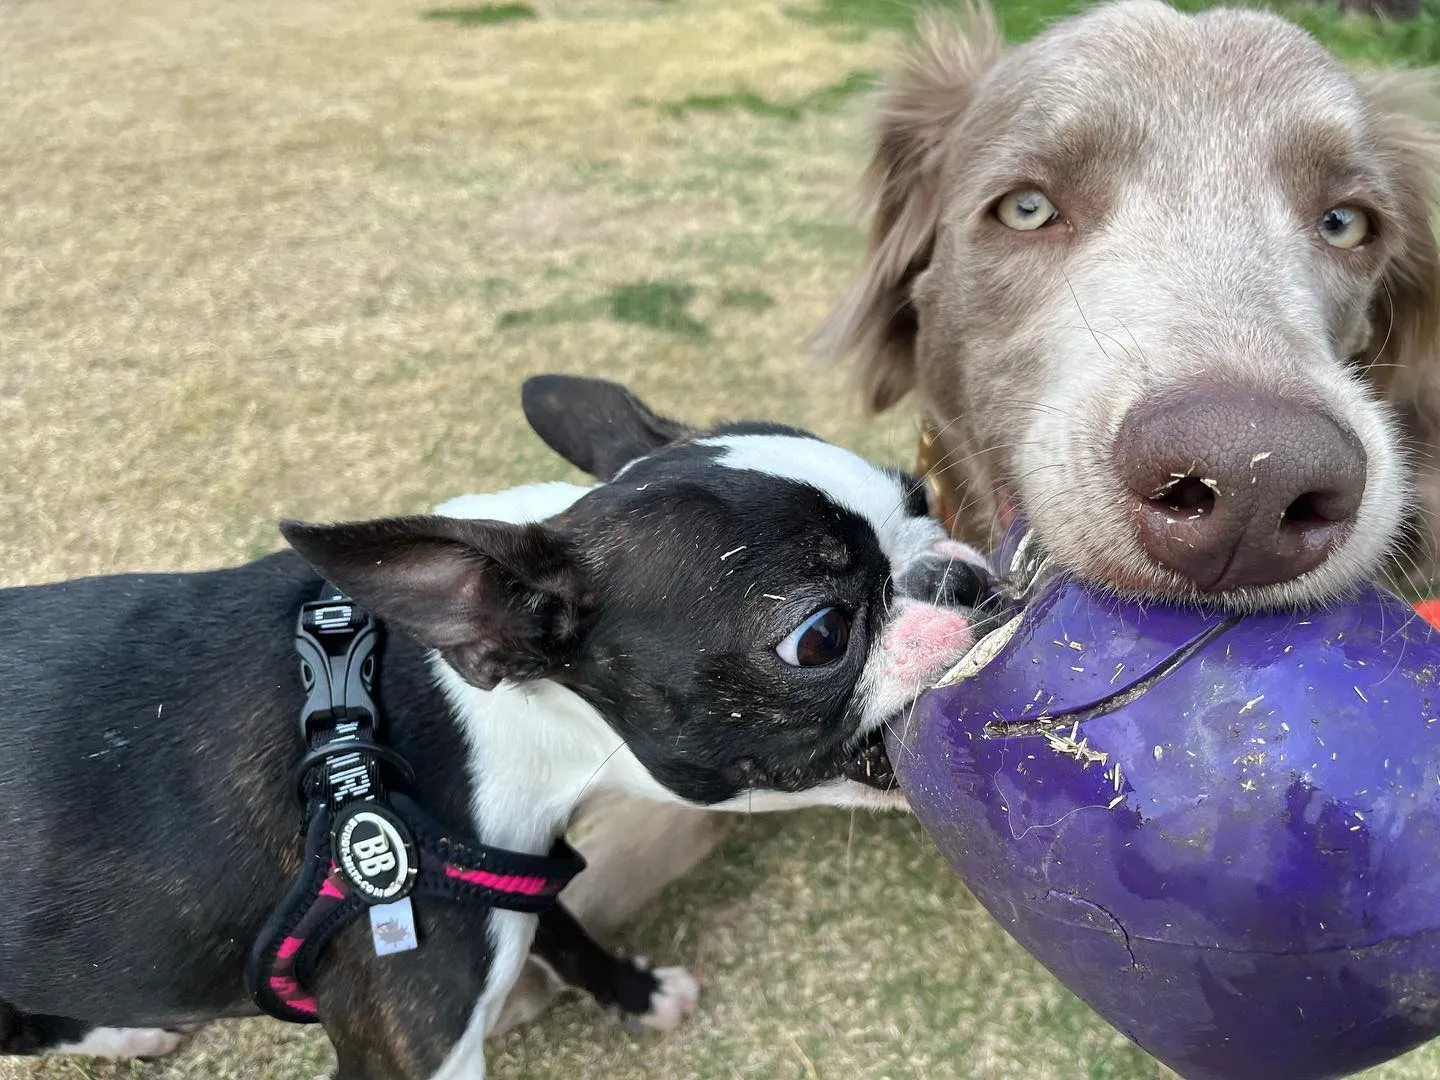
(1344, 226)
(820, 639)
(1026, 210)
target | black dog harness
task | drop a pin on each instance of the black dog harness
(366, 848)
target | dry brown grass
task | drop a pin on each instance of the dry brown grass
(254, 262)
(254, 253)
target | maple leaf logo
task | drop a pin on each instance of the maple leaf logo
(391, 932)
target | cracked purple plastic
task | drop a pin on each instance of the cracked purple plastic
(1239, 867)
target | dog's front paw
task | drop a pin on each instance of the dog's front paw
(675, 996)
(645, 998)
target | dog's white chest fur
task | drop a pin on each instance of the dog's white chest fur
(533, 750)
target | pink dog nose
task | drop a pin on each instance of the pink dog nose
(1238, 488)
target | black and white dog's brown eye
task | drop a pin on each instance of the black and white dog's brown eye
(819, 640)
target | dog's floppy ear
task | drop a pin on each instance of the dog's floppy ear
(597, 426)
(1405, 321)
(918, 109)
(499, 601)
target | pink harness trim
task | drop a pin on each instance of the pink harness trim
(510, 883)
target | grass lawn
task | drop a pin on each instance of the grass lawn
(267, 258)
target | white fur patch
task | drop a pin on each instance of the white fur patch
(673, 1000)
(536, 750)
(845, 478)
(847, 794)
(526, 503)
(123, 1043)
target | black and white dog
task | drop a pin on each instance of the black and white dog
(728, 621)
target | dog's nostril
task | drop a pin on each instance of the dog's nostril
(1186, 496)
(968, 586)
(1317, 508)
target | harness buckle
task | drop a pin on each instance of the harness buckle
(336, 640)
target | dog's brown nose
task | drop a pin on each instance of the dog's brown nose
(1237, 488)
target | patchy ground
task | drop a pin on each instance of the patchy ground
(266, 258)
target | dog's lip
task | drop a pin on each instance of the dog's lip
(870, 763)
(997, 606)
(867, 763)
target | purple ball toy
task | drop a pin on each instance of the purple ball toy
(1222, 832)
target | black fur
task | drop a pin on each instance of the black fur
(152, 824)
(597, 427)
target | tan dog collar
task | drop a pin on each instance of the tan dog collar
(945, 498)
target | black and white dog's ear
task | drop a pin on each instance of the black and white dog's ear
(499, 601)
(595, 425)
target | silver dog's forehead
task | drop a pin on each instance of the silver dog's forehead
(1143, 64)
(1130, 39)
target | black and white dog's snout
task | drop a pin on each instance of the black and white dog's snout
(941, 578)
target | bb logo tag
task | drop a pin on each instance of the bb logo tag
(375, 852)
